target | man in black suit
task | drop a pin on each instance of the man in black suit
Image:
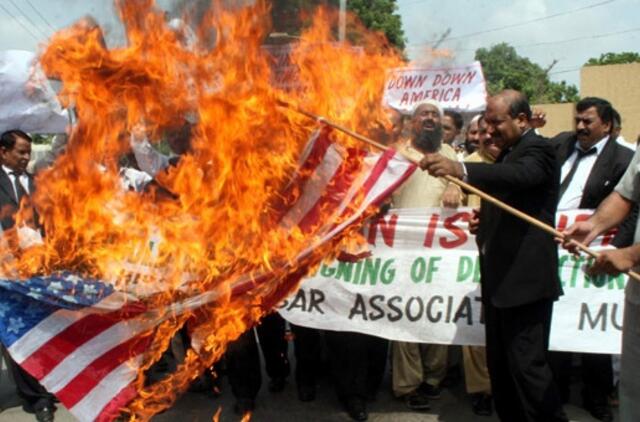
(593, 161)
(15, 187)
(518, 262)
(15, 153)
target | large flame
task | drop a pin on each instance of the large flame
(228, 188)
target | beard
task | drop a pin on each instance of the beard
(428, 140)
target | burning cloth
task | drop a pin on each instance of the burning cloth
(85, 341)
(220, 237)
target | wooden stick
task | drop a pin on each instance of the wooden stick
(416, 160)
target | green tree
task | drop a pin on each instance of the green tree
(378, 15)
(614, 58)
(505, 69)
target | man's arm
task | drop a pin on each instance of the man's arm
(611, 212)
(531, 169)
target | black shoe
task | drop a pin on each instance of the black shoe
(601, 412)
(306, 392)
(430, 391)
(276, 385)
(45, 414)
(357, 409)
(243, 406)
(482, 404)
(417, 401)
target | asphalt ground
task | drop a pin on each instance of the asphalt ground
(453, 406)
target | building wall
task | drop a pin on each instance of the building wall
(620, 84)
(559, 118)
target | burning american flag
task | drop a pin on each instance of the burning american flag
(255, 207)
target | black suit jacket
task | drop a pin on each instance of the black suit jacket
(607, 171)
(8, 201)
(518, 261)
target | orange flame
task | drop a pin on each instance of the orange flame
(244, 151)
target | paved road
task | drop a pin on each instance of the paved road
(454, 406)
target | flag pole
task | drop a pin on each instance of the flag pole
(485, 196)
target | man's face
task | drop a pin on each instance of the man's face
(590, 128)
(472, 136)
(449, 130)
(17, 157)
(485, 143)
(503, 129)
(427, 128)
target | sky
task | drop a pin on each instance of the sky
(588, 29)
(571, 37)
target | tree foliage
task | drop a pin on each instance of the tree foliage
(505, 69)
(378, 15)
(614, 58)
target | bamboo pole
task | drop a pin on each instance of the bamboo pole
(416, 160)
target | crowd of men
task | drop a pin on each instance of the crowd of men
(590, 167)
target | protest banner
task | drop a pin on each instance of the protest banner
(421, 284)
(462, 87)
(27, 101)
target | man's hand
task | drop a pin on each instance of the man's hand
(538, 118)
(474, 222)
(612, 262)
(452, 196)
(439, 166)
(583, 232)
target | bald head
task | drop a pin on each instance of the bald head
(516, 101)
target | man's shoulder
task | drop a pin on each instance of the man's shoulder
(474, 158)
(531, 141)
(624, 147)
(447, 151)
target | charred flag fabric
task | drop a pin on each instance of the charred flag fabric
(84, 341)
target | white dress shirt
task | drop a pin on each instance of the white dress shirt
(24, 180)
(573, 195)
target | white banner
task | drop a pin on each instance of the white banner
(462, 88)
(421, 284)
(27, 101)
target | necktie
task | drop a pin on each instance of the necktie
(20, 192)
(567, 180)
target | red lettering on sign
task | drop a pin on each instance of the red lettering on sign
(460, 234)
(431, 230)
(387, 229)
(562, 222)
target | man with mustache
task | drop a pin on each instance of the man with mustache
(593, 160)
(518, 262)
(418, 369)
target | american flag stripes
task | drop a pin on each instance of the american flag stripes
(84, 341)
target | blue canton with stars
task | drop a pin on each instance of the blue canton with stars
(23, 304)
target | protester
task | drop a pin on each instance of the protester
(593, 161)
(16, 185)
(418, 369)
(613, 211)
(307, 346)
(452, 123)
(472, 136)
(617, 126)
(357, 366)
(474, 358)
(518, 261)
(243, 362)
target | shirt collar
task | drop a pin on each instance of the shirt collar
(7, 170)
(599, 146)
